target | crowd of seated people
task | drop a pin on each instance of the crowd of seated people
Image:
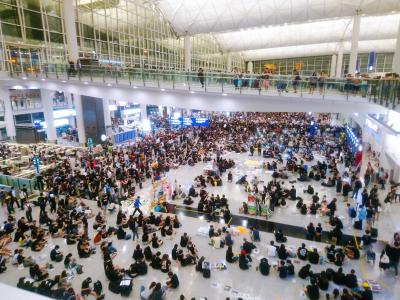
(115, 174)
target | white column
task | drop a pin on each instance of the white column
(229, 62)
(396, 57)
(333, 66)
(143, 111)
(250, 67)
(354, 42)
(187, 42)
(70, 30)
(107, 116)
(8, 113)
(47, 102)
(80, 124)
(339, 61)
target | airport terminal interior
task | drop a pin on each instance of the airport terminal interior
(200, 149)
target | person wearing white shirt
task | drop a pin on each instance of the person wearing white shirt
(271, 249)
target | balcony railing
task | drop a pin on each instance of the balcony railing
(383, 92)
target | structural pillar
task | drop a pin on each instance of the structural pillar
(80, 124)
(47, 102)
(143, 112)
(333, 66)
(354, 42)
(187, 42)
(396, 57)
(70, 30)
(229, 62)
(339, 61)
(250, 67)
(8, 113)
(107, 116)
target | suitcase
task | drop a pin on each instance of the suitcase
(358, 225)
(374, 232)
(206, 273)
(125, 287)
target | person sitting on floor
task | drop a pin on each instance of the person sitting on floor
(230, 256)
(305, 271)
(55, 254)
(312, 290)
(264, 266)
(282, 269)
(244, 261)
(279, 237)
(313, 257)
(302, 252)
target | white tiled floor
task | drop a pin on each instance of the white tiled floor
(235, 194)
(249, 284)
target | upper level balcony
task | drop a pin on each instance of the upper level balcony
(344, 95)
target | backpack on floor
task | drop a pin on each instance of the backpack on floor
(125, 287)
(79, 269)
(358, 225)
(206, 273)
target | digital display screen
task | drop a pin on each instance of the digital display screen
(184, 121)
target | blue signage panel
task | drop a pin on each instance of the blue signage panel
(189, 121)
(199, 121)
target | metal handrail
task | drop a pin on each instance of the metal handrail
(384, 92)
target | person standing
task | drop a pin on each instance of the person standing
(28, 212)
(296, 80)
(200, 75)
(321, 82)
(313, 82)
(22, 198)
(137, 205)
(42, 204)
(14, 198)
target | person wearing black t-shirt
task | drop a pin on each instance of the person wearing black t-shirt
(366, 294)
(174, 252)
(283, 270)
(56, 254)
(85, 287)
(290, 267)
(312, 290)
(305, 271)
(351, 280)
(173, 281)
(302, 252)
(339, 277)
(313, 257)
(264, 266)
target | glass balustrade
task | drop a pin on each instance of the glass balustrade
(383, 92)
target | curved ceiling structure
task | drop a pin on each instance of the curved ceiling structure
(328, 31)
(265, 29)
(206, 16)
